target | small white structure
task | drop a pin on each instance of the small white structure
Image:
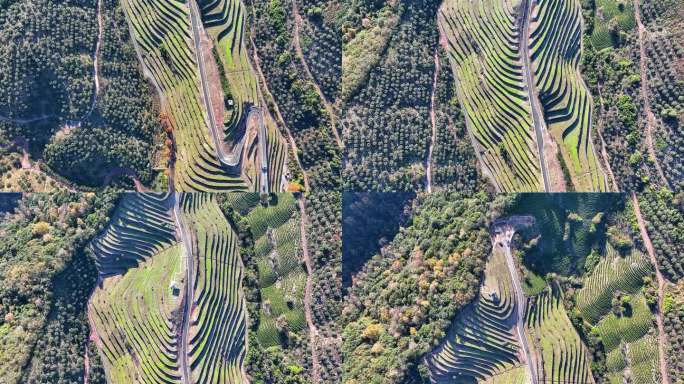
(174, 288)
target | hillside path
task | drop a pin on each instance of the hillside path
(298, 49)
(96, 57)
(662, 336)
(650, 117)
(313, 331)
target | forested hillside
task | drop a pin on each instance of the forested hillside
(305, 116)
(405, 297)
(45, 280)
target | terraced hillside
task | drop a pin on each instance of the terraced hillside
(216, 329)
(626, 330)
(483, 49)
(170, 48)
(134, 317)
(527, 110)
(563, 358)
(482, 345)
(169, 305)
(281, 276)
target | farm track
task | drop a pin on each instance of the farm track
(139, 187)
(433, 120)
(290, 138)
(298, 49)
(650, 117)
(662, 336)
(537, 116)
(25, 120)
(313, 331)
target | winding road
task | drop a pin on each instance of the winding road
(537, 116)
(185, 238)
(233, 158)
(662, 336)
(503, 233)
(229, 159)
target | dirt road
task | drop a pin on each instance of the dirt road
(662, 336)
(604, 151)
(650, 117)
(313, 331)
(433, 120)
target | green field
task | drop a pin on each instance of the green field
(563, 356)
(218, 332)
(628, 338)
(133, 316)
(138, 310)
